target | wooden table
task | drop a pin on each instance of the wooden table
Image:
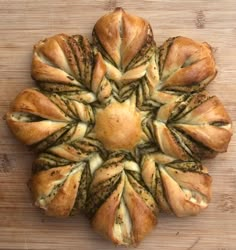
(22, 24)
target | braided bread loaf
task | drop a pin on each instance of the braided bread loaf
(120, 126)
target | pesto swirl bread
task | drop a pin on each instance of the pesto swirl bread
(62, 175)
(181, 187)
(120, 126)
(192, 126)
(185, 65)
(41, 119)
(68, 64)
(112, 192)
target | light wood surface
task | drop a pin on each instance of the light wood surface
(22, 24)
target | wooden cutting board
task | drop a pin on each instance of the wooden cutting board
(22, 24)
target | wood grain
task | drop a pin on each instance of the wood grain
(22, 24)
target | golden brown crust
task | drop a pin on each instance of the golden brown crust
(210, 111)
(121, 126)
(67, 63)
(135, 34)
(194, 181)
(201, 125)
(31, 133)
(39, 117)
(100, 85)
(143, 219)
(151, 177)
(110, 37)
(54, 49)
(45, 71)
(33, 102)
(215, 138)
(55, 59)
(181, 187)
(55, 190)
(130, 210)
(167, 141)
(118, 126)
(128, 48)
(108, 211)
(182, 199)
(121, 34)
(98, 72)
(185, 63)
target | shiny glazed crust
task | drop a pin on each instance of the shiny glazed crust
(110, 122)
(180, 187)
(185, 65)
(120, 126)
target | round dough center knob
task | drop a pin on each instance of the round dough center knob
(118, 126)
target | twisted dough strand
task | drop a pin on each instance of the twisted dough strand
(181, 187)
